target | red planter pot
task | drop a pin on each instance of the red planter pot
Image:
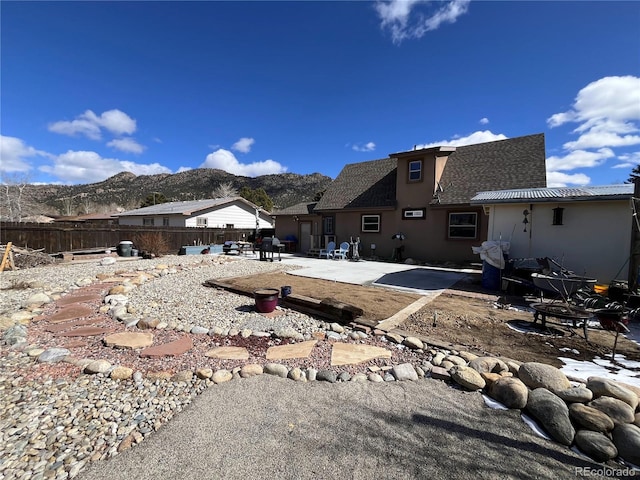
(266, 299)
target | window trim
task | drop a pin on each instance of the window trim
(410, 171)
(202, 222)
(332, 221)
(450, 226)
(148, 222)
(362, 223)
(166, 221)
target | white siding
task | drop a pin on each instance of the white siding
(594, 239)
(174, 220)
(237, 214)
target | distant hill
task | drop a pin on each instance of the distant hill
(127, 190)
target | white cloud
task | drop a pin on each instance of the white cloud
(127, 144)
(579, 159)
(606, 111)
(484, 121)
(559, 179)
(367, 147)
(404, 21)
(472, 139)
(607, 115)
(629, 160)
(89, 167)
(225, 160)
(243, 145)
(184, 169)
(14, 152)
(89, 124)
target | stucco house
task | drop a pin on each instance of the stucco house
(586, 229)
(228, 212)
(424, 194)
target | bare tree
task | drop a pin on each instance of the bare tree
(14, 204)
(66, 206)
(224, 190)
(87, 205)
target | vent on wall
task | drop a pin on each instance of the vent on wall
(414, 213)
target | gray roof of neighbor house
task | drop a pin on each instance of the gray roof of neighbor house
(362, 185)
(304, 208)
(512, 163)
(184, 208)
(557, 194)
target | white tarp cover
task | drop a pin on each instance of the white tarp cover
(492, 252)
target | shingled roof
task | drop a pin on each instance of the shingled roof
(504, 164)
(362, 185)
(304, 208)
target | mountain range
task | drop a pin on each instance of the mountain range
(127, 190)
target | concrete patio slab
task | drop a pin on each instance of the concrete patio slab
(410, 278)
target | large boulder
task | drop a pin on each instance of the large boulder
(619, 411)
(627, 440)
(467, 377)
(580, 394)
(488, 365)
(540, 375)
(605, 387)
(590, 418)
(509, 391)
(552, 413)
(596, 445)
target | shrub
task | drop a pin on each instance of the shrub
(151, 243)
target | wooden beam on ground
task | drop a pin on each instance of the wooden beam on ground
(227, 286)
(7, 253)
(399, 317)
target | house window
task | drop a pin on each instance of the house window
(327, 225)
(370, 223)
(463, 225)
(201, 222)
(229, 225)
(147, 222)
(165, 221)
(557, 215)
(415, 171)
(414, 213)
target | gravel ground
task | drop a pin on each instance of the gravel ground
(55, 421)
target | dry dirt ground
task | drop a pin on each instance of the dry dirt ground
(475, 324)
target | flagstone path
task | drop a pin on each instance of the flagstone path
(72, 319)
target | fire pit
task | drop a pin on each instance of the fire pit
(562, 311)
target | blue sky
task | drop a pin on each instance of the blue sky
(92, 89)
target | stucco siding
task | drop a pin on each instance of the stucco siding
(594, 239)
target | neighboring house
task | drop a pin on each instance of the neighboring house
(424, 194)
(585, 229)
(228, 212)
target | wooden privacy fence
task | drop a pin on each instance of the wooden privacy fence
(70, 236)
